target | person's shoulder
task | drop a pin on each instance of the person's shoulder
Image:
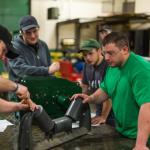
(41, 42)
(18, 44)
(138, 66)
(139, 62)
(16, 39)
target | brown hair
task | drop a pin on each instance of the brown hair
(120, 39)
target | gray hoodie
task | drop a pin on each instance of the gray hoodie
(31, 61)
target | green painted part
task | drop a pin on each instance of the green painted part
(12, 11)
(52, 93)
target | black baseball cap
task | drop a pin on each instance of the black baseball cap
(28, 22)
(6, 37)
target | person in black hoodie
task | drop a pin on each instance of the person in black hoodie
(34, 57)
(7, 51)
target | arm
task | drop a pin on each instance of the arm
(84, 88)
(28, 63)
(55, 66)
(7, 85)
(98, 96)
(10, 86)
(6, 107)
(104, 114)
(143, 127)
(141, 90)
(106, 108)
(21, 68)
(21, 91)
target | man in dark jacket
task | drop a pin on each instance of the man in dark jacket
(34, 56)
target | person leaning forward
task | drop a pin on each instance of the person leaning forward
(127, 83)
(93, 73)
(7, 50)
(34, 57)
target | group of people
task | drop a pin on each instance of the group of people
(113, 78)
(27, 55)
(127, 84)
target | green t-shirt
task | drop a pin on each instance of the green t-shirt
(129, 88)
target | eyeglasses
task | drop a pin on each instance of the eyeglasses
(110, 53)
(30, 32)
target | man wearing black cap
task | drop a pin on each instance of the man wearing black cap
(34, 57)
(6, 50)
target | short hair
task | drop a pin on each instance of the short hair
(118, 38)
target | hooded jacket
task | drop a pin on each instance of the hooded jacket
(31, 61)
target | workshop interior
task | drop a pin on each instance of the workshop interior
(61, 123)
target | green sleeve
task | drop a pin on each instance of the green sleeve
(103, 87)
(141, 87)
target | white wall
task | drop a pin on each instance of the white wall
(142, 6)
(118, 4)
(69, 9)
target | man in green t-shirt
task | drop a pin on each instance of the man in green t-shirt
(127, 83)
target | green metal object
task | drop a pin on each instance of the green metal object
(12, 11)
(52, 93)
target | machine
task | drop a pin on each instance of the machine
(77, 111)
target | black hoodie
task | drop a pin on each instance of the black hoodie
(32, 60)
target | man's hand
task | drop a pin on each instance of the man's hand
(22, 106)
(140, 147)
(54, 67)
(86, 98)
(31, 105)
(98, 120)
(22, 92)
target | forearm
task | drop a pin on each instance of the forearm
(98, 96)
(30, 70)
(6, 107)
(7, 85)
(143, 125)
(84, 88)
(106, 108)
(21, 68)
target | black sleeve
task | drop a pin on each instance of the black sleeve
(84, 77)
(20, 68)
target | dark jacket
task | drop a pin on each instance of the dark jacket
(31, 61)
